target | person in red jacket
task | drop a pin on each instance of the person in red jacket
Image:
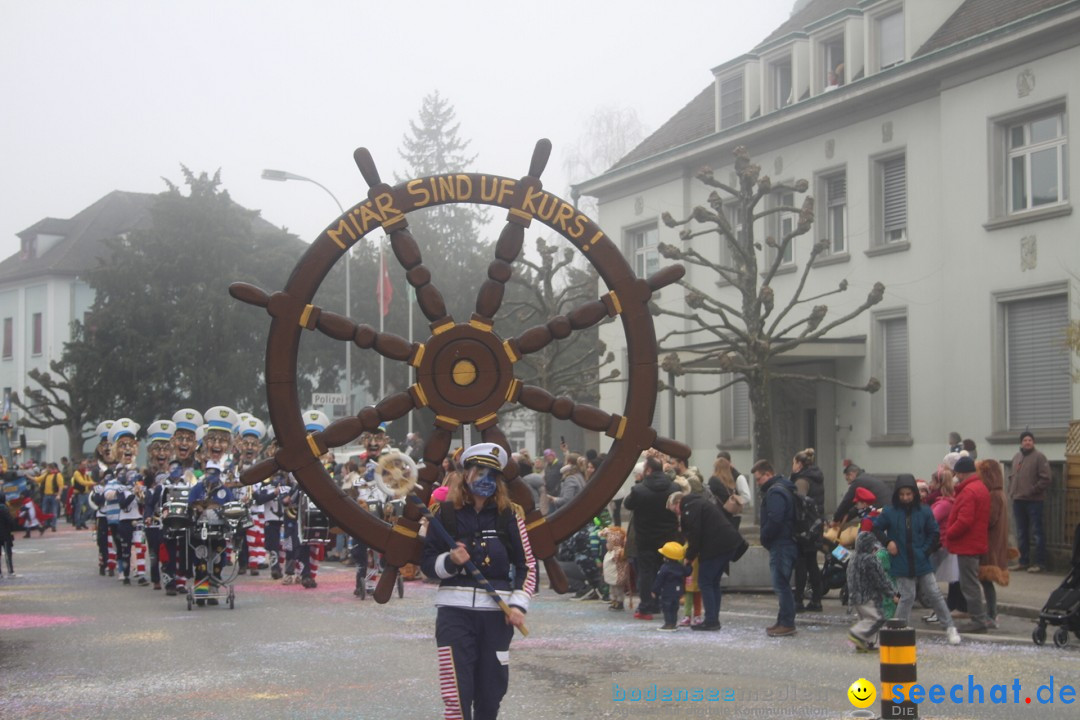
(966, 538)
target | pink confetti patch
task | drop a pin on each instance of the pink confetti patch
(21, 622)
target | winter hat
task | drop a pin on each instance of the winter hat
(673, 551)
(864, 495)
(964, 464)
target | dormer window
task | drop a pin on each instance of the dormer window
(732, 101)
(28, 251)
(782, 91)
(832, 62)
(890, 39)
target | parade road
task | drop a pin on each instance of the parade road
(74, 644)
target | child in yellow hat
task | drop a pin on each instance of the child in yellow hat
(669, 583)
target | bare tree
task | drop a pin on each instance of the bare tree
(57, 401)
(610, 133)
(750, 330)
(544, 289)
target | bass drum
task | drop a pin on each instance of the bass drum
(312, 524)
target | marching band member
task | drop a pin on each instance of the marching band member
(159, 437)
(177, 566)
(270, 495)
(252, 551)
(103, 461)
(307, 555)
(472, 634)
(113, 499)
(372, 499)
(209, 494)
(126, 472)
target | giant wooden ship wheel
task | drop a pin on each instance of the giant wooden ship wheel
(464, 370)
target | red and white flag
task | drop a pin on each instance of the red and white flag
(384, 291)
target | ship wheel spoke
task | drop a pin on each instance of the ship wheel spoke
(404, 246)
(490, 296)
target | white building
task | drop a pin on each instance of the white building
(938, 159)
(43, 289)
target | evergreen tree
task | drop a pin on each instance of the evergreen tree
(450, 236)
(163, 333)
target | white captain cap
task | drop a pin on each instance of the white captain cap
(315, 421)
(103, 429)
(491, 455)
(160, 430)
(122, 427)
(221, 417)
(187, 419)
(252, 426)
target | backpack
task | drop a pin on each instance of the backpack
(809, 524)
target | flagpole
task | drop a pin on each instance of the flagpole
(382, 320)
(409, 301)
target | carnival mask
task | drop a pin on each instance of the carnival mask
(184, 441)
(127, 448)
(217, 443)
(250, 446)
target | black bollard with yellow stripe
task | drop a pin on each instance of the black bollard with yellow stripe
(897, 668)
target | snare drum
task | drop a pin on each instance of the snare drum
(237, 516)
(313, 526)
(175, 517)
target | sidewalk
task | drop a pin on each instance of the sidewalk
(1027, 593)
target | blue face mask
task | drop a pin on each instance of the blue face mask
(484, 484)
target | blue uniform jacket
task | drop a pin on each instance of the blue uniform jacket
(509, 566)
(670, 581)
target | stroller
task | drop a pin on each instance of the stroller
(1062, 609)
(837, 547)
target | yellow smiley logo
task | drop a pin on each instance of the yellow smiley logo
(862, 693)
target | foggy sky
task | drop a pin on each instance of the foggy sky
(109, 95)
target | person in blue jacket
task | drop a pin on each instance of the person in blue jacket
(472, 633)
(909, 532)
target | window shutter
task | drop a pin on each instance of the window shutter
(731, 101)
(894, 185)
(897, 389)
(740, 410)
(1038, 372)
(837, 189)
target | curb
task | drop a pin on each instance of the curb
(1022, 611)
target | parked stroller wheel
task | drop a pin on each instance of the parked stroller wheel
(1061, 637)
(1038, 635)
(844, 596)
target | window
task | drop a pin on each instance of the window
(780, 224)
(783, 92)
(891, 205)
(834, 188)
(646, 258)
(735, 407)
(28, 249)
(1036, 162)
(731, 101)
(891, 406)
(35, 342)
(1037, 371)
(833, 62)
(890, 39)
(9, 337)
(728, 257)
(894, 334)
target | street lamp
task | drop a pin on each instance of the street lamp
(282, 176)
